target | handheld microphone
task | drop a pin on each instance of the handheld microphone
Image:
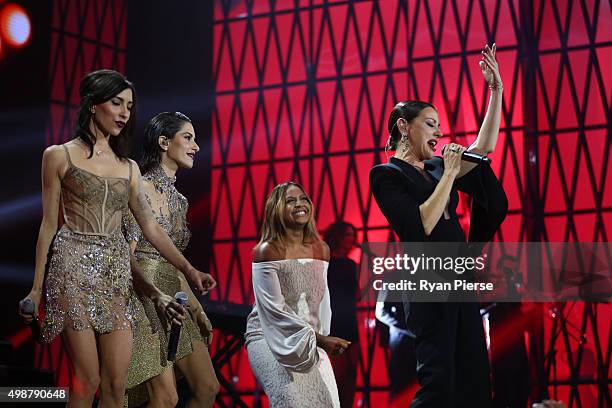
(475, 158)
(26, 306)
(175, 331)
(472, 157)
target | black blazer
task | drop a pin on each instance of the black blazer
(399, 190)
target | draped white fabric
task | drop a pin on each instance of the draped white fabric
(291, 303)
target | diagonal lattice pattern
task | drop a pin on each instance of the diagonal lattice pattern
(303, 89)
(85, 36)
(574, 97)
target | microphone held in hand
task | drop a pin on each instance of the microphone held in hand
(475, 158)
(472, 157)
(175, 331)
(26, 306)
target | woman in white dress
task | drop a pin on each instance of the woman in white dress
(287, 334)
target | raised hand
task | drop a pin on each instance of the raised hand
(489, 67)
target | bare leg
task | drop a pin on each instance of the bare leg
(115, 353)
(83, 353)
(162, 390)
(200, 374)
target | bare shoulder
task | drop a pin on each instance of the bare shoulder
(134, 165)
(325, 252)
(54, 153)
(266, 252)
(136, 176)
(54, 158)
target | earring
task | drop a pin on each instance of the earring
(405, 147)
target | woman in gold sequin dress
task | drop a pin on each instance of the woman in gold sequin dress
(287, 335)
(169, 145)
(87, 183)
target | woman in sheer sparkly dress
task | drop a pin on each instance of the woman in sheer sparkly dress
(287, 334)
(90, 182)
(169, 145)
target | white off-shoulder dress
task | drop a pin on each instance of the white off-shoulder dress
(291, 305)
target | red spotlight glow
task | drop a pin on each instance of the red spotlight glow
(15, 25)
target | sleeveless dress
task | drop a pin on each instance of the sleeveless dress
(291, 305)
(88, 280)
(149, 355)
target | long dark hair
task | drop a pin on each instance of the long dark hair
(334, 234)
(407, 110)
(98, 87)
(163, 124)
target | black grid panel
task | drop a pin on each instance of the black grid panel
(303, 90)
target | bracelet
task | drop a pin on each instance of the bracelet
(496, 86)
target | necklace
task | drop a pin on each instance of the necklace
(99, 152)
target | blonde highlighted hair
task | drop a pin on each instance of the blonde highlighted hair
(273, 228)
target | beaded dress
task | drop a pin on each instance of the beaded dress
(149, 353)
(291, 305)
(88, 280)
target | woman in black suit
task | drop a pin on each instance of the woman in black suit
(417, 193)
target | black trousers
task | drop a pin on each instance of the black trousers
(402, 367)
(452, 361)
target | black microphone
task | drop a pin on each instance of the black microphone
(475, 158)
(472, 157)
(26, 306)
(175, 331)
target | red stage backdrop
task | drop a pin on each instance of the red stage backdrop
(303, 90)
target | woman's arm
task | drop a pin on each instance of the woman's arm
(433, 208)
(151, 230)
(489, 131)
(143, 286)
(175, 313)
(52, 161)
(197, 313)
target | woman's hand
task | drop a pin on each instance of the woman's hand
(332, 345)
(174, 312)
(451, 154)
(200, 281)
(205, 326)
(34, 296)
(489, 67)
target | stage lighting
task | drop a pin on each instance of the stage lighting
(15, 25)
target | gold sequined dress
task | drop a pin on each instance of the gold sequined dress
(150, 344)
(88, 280)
